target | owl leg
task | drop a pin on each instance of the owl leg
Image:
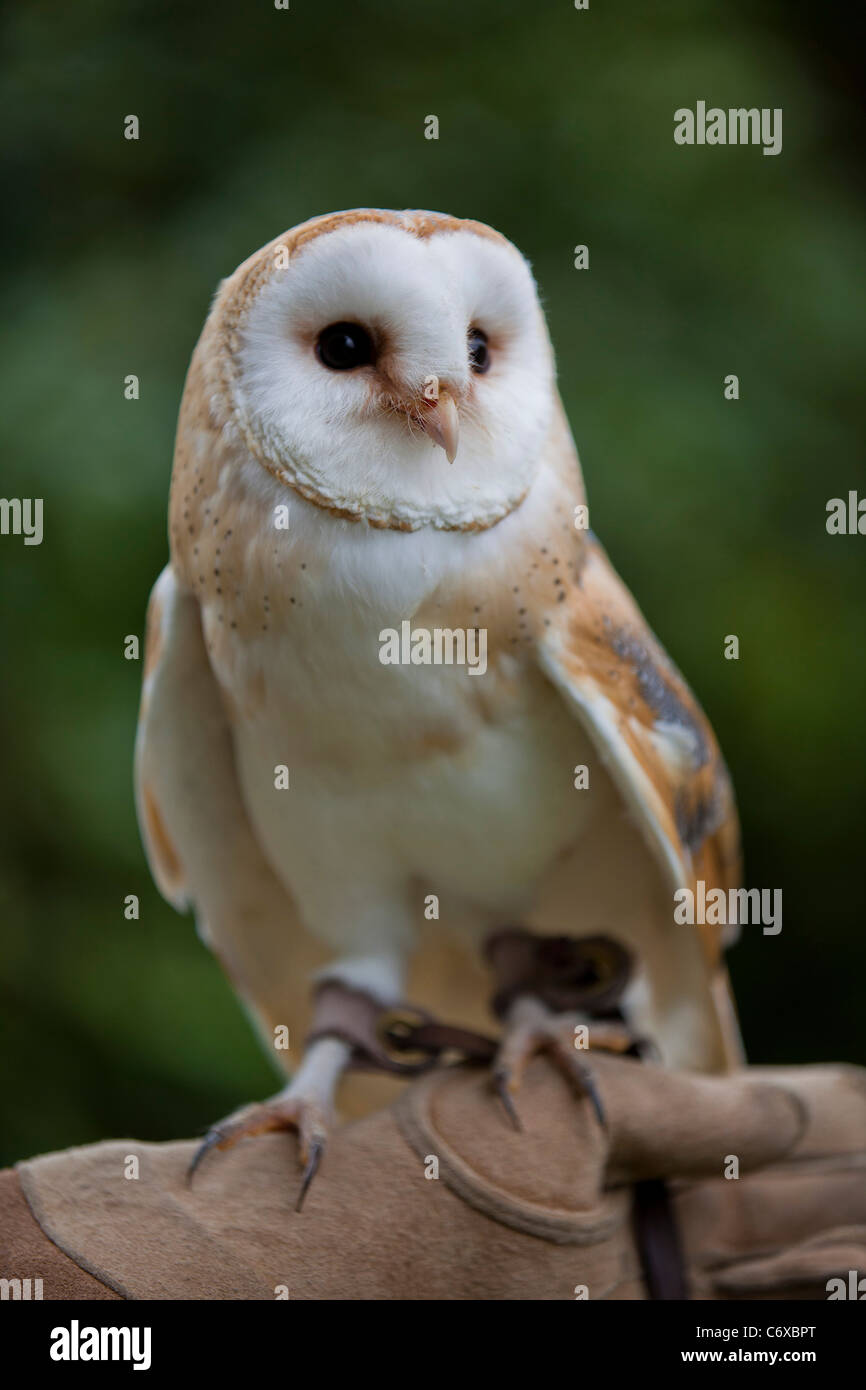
(306, 1106)
(349, 999)
(531, 1028)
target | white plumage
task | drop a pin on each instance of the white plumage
(406, 781)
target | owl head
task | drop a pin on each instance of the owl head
(392, 367)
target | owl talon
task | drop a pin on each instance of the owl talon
(502, 1082)
(311, 1168)
(533, 1029)
(586, 1081)
(285, 1111)
(212, 1140)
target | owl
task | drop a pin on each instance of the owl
(395, 696)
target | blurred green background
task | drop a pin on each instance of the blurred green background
(556, 127)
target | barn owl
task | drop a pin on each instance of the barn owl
(371, 446)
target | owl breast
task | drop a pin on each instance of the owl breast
(371, 783)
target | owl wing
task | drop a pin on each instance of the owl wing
(198, 838)
(661, 754)
(204, 854)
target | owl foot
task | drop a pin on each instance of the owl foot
(305, 1106)
(532, 1028)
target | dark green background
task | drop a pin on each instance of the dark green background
(556, 127)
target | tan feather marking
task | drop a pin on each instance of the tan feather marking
(613, 661)
(153, 637)
(432, 742)
(246, 281)
(163, 847)
(418, 222)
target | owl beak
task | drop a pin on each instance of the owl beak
(440, 420)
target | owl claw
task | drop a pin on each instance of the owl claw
(212, 1140)
(502, 1082)
(282, 1112)
(311, 1168)
(587, 1084)
(533, 1029)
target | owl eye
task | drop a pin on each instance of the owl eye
(342, 346)
(479, 352)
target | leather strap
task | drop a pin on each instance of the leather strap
(658, 1241)
(587, 974)
(405, 1041)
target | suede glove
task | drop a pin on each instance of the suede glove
(438, 1197)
